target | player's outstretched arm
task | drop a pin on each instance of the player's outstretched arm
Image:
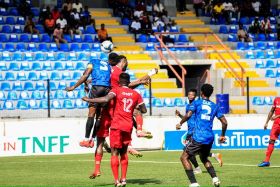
(83, 78)
(143, 80)
(104, 99)
(269, 116)
(223, 120)
(177, 113)
(184, 119)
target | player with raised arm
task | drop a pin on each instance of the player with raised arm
(275, 130)
(203, 136)
(191, 124)
(126, 100)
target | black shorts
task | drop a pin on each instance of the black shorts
(98, 91)
(194, 148)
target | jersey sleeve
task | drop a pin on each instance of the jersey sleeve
(113, 91)
(219, 113)
(90, 64)
(187, 108)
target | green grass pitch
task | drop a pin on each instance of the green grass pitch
(158, 168)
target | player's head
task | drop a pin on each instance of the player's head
(206, 90)
(192, 94)
(112, 58)
(124, 79)
(122, 62)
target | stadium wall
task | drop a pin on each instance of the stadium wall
(61, 136)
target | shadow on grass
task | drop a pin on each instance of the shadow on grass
(144, 181)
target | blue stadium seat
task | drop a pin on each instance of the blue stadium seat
(69, 65)
(3, 66)
(250, 55)
(28, 86)
(12, 95)
(93, 56)
(76, 75)
(58, 66)
(182, 38)
(43, 104)
(1, 47)
(142, 38)
(278, 73)
(35, 11)
(273, 20)
(53, 47)
(278, 64)
(50, 57)
(6, 29)
(75, 47)
(17, 29)
(240, 46)
(223, 29)
(80, 104)
(53, 86)
(261, 45)
(9, 47)
(174, 29)
(46, 38)
(13, 38)
(260, 55)
(268, 100)
(2, 22)
(83, 57)
(3, 38)
(126, 21)
(14, 66)
(152, 39)
(70, 95)
(39, 57)
(90, 30)
(5, 86)
(10, 21)
(2, 96)
(233, 21)
(8, 105)
(20, 47)
(270, 54)
(40, 86)
(17, 86)
(56, 104)
(17, 57)
(31, 47)
(33, 105)
(32, 76)
(72, 56)
(61, 57)
(43, 76)
(61, 85)
(96, 47)
(64, 47)
(21, 76)
(272, 37)
(85, 47)
(67, 104)
(156, 102)
(232, 38)
(13, 11)
(273, 28)
(45, 95)
(168, 102)
(10, 76)
(68, 38)
(259, 64)
(28, 56)
(79, 66)
(20, 21)
(36, 95)
(77, 38)
(36, 66)
(261, 37)
(66, 76)
(233, 29)
(6, 56)
(150, 47)
(81, 93)
(24, 95)
(270, 45)
(3, 12)
(43, 47)
(257, 101)
(277, 83)
(40, 28)
(1, 77)
(155, 29)
(270, 74)
(24, 38)
(253, 37)
(88, 38)
(47, 66)
(55, 76)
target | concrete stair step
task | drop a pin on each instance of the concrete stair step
(220, 65)
(254, 83)
(251, 74)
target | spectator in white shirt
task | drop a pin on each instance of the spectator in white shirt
(63, 25)
(228, 9)
(158, 6)
(77, 6)
(256, 7)
(135, 27)
(138, 13)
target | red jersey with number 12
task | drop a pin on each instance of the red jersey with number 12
(126, 101)
(276, 105)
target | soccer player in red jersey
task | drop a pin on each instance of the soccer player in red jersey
(127, 100)
(275, 130)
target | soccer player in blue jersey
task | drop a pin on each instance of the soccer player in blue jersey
(203, 136)
(100, 71)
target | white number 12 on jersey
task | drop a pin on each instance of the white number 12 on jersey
(127, 103)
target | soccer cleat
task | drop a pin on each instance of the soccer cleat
(197, 170)
(85, 143)
(216, 181)
(144, 134)
(94, 175)
(117, 183)
(91, 144)
(134, 152)
(218, 157)
(107, 147)
(264, 164)
(123, 182)
(194, 185)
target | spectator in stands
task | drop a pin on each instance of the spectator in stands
(66, 13)
(166, 37)
(166, 19)
(149, 7)
(44, 14)
(207, 7)
(78, 6)
(265, 26)
(49, 24)
(242, 35)
(63, 25)
(218, 11)
(55, 13)
(228, 9)
(158, 6)
(68, 4)
(92, 21)
(256, 7)
(236, 11)
(146, 24)
(135, 27)
(58, 36)
(75, 18)
(255, 26)
(85, 17)
(197, 5)
(138, 13)
(158, 23)
(30, 26)
(181, 6)
(140, 5)
(24, 8)
(103, 34)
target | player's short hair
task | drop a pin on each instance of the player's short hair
(113, 59)
(193, 90)
(124, 78)
(207, 90)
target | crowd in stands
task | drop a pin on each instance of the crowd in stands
(142, 15)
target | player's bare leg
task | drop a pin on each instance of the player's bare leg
(188, 168)
(138, 120)
(87, 142)
(209, 167)
(115, 166)
(98, 157)
(124, 165)
(217, 157)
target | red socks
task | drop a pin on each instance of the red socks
(269, 152)
(98, 159)
(124, 164)
(139, 121)
(115, 167)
